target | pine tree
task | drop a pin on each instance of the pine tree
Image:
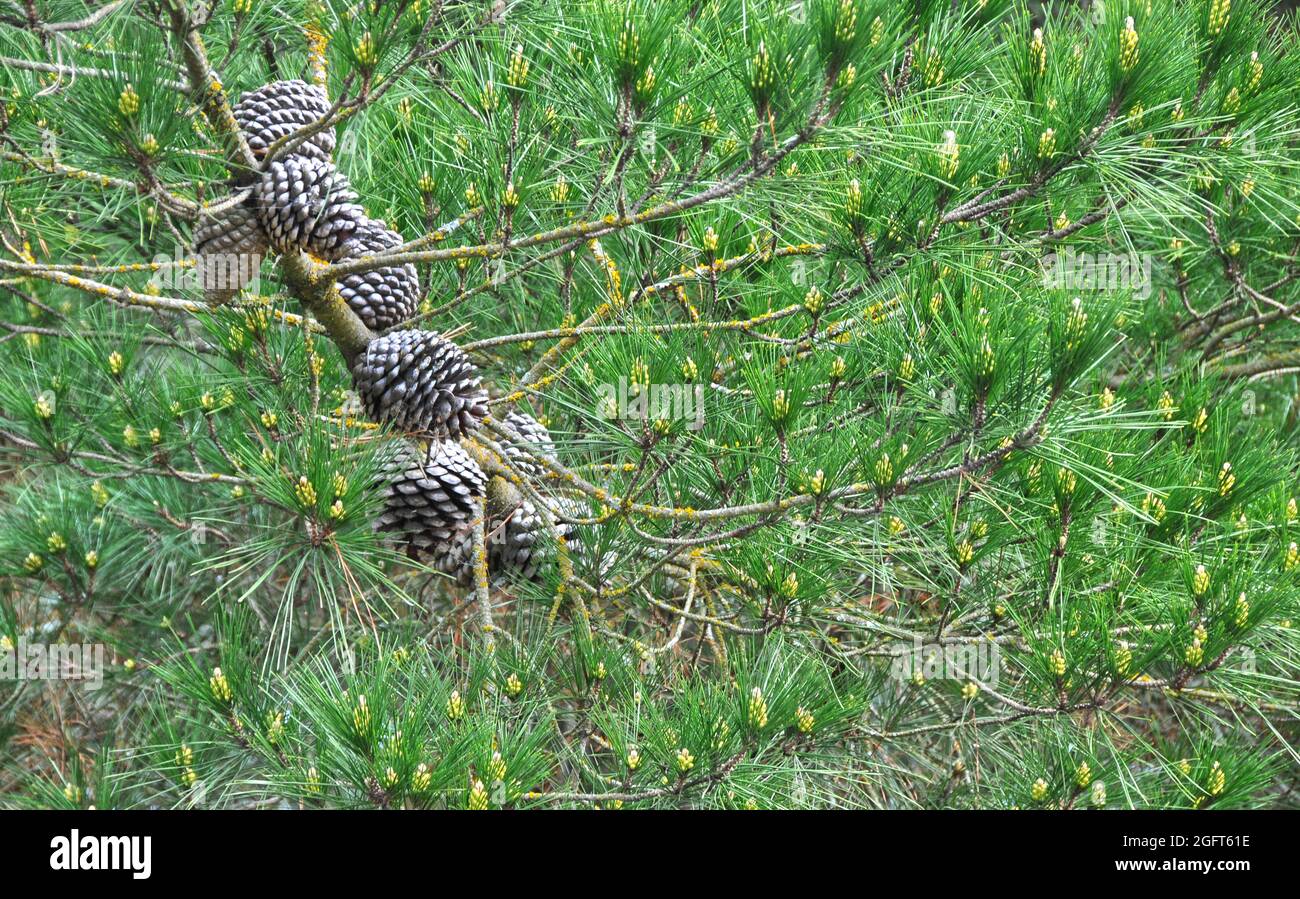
(651, 403)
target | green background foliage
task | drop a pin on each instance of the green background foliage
(834, 219)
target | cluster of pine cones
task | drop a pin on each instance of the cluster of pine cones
(431, 497)
(417, 380)
(302, 202)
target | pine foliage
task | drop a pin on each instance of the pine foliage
(625, 394)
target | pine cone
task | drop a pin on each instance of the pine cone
(514, 542)
(282, 108)
(420, 382)
(308, 205)
(536, 442)
(430, 497)
(518, 543)
(456, 557)
(384, 296)
(228, 246)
